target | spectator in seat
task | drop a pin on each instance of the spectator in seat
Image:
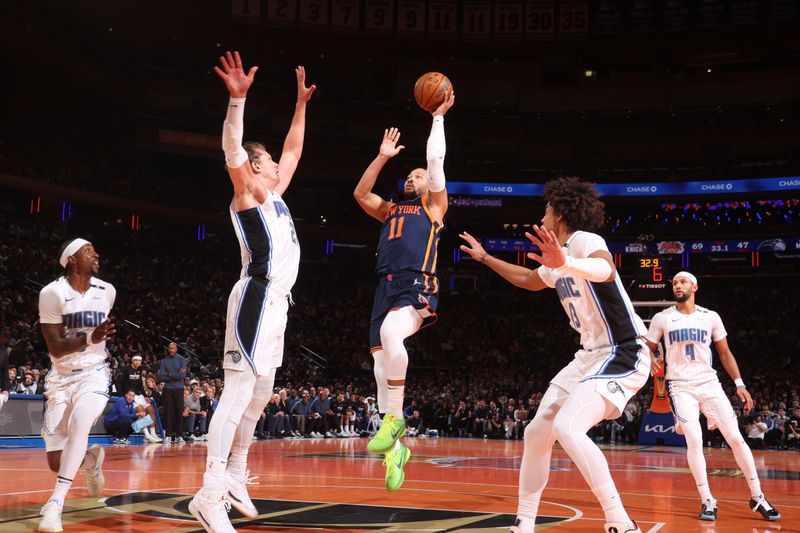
(414, 424)
(756, 429)
(301, 411)
(119, 419)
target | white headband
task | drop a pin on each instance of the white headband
(687, 275)
(70, 250)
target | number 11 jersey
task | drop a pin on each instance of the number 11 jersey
(409, 239)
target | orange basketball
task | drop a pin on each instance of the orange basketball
(430, 89)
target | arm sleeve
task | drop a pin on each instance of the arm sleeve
(232, 132)
(717, 328)
(580, 264)
(435, 154)
(547, 276)
(50, 306)
(656, 330)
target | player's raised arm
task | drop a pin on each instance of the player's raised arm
(522, 277)
(231, 71)
(293, 144)
(371, 203)
(597, 267)
(436, 149)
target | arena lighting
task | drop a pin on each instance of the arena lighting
(588, 73)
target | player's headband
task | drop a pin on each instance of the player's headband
(70, 250)
(687, 275)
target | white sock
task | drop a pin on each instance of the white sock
(611, 503)
(395, 394)
(527, 524)
(60, 491)
(214, 478)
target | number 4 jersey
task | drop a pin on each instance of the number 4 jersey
(688, 341)
(601, 312)
(409, 239)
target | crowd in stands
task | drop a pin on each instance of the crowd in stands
(480, 372)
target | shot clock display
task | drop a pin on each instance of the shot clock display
(650, 267)
(651, 277)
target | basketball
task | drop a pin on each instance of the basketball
(430, 88)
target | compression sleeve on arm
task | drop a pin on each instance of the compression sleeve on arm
(591, 268)
(232, 131)
(435, 154)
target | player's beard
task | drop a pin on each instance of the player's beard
(682, 298)
(410, 194)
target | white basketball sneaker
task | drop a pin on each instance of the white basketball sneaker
(95, 481)
(212, 513)
(622, 527)
(237, 493)
(51, 517)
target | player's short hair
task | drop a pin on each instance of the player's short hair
(577, 201)
(250, 147)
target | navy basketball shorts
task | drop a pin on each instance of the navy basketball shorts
(399, 290)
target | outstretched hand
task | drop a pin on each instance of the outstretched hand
(303, 93)
(105, 330)
(474, 249)
(551, 253)
(389, 147)
(232, 73)
(447, 103)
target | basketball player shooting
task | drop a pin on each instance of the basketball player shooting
(408, 289)
(258, 303)
(688, 331)
(612, 364)
(74, 315)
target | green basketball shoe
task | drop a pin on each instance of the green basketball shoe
(394, 462)
(391, 429)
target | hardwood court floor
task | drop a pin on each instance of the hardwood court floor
(451, 485)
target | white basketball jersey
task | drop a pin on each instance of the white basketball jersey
(80, 313)
(688, 341)
(268, 242)
(601, 312)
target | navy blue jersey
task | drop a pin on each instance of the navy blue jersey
(409, 240)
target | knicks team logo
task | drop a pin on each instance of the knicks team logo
(613, 387)
(671, 247)
(235, 355)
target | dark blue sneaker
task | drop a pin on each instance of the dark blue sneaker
(767, 511)
(708, 511)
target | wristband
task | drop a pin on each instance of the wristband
(89, 339)
(739, 383)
